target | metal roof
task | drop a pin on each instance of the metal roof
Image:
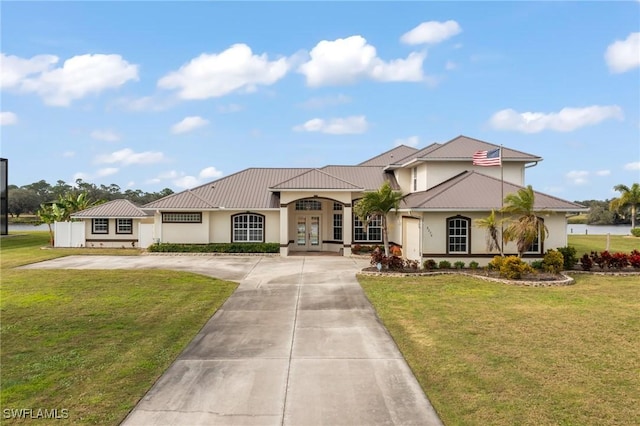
(462, 148)
(316, 179)
(418, 154)
(367, 177)
(112, 209)
(474, 191)
(389, 157)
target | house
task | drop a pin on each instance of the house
(311, 209)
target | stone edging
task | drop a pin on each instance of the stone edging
(566, 281)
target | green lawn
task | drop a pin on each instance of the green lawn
(92, 342)
(493, 354)
(617, 243)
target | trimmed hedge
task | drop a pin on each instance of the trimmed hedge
(215, 248)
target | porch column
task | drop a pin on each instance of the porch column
(347, 229)
(284, 230)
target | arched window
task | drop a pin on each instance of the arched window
(458, 231)
(247, 228)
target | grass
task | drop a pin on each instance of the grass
(492, 354)
(617, 243)
(92, 342)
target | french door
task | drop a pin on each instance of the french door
(308, 232)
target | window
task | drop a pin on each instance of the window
(458, 235)
(414, 172)
(124, 226)
(337, 226)
(337, 207)
(372, 234)
(535, 247)
(181, 217)
(248, 227)
(100, 226)
(308, 205)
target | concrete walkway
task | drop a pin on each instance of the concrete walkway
(297, 344)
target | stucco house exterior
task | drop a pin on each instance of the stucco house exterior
(311, 209)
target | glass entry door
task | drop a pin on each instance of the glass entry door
(308, 233)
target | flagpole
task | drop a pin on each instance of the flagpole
(501, 204)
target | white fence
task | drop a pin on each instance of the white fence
(69, 234)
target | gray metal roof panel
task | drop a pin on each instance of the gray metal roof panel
(462, 148)
(120, 208)
(389, 157)
(367, 177)
(476, 191)
(316, 179)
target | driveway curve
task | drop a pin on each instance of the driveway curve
(298, 344)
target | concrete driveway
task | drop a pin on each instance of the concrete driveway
(297, 344)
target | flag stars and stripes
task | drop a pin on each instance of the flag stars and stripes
(487, 158)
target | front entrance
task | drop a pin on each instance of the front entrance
(308, 233)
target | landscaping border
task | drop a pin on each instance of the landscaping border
(567, 280)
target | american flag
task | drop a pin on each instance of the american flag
(487, 158)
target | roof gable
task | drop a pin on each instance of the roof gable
(462, 148)
(119, 208)
(475, 191)
(316, 179)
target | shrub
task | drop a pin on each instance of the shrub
(495, 263)
(538, 265)
(429, 264)
(569, 255)
(553, 261)
(474, 265)
(395, 263)
(635, 232)
(444, 264)
(377, 256)
(411, 264)
(602, 260)
(395, 251)
(459, 264)
(619, 261)
(215, 248)
(634, 258)
(513, 268)
(586, 262)
(356, 248)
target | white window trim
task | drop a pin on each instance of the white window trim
(104, 222)
(246, 229)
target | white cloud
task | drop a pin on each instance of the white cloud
(78, 77)
(346, 60)
(326, 101)
(107, 171)
(410, 141)
(105, 135)
(145, 103)
(218, 74)
(632, 166)
(624, 55)
(335, 126)
(450, 66)
(578, 177)
(188, 124)
(568, 119)
(603, 172)
(192, 181)
(13, 69)
(127, 157)
(8, 118)
(431, 32)
(210, 172)
(69, 154)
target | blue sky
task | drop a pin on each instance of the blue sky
(149, 95)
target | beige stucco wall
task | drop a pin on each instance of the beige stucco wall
(287, 197)
(403, 177)
(117, 239)
(185, 233)
(220, 225)
(439, 172)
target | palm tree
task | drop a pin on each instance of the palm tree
(71, 203)
(630, 198)
(491, 223)
(525, 226)
(49, 214)
(378, 204)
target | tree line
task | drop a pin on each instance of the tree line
(27, 199)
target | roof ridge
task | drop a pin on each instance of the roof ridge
(386, 152)
(317, 170)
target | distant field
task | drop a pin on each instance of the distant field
(617, 243)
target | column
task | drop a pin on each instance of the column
(347, 229)
(284, 230)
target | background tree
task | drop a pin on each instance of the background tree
(524, 226)
(492, 224)
(22, 200)
(628, 201)
(378, 203)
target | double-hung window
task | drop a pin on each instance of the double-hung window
(248, 227)
(100, 226)
(458, 235)
(369, 234)
(124, 226)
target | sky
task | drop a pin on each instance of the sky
(153, 95)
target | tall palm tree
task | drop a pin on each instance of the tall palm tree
(524, 226)
(630, 198)
(491, 223)
(378, 204)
